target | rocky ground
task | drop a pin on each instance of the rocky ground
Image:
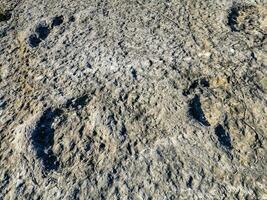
(133, 99)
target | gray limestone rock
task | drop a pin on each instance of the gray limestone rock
(133, 99)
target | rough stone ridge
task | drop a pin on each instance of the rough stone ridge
(133, 99)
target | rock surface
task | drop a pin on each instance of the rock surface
(133, 99)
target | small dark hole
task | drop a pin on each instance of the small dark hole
(5, 16)
(123, 132)
(42, 31)
(2, 103)
(33, 40)
(223, 137)
(134, 73)
(204, 82)
(94, 133)
(169, 173)
(87, 146)
(110, 180)
(72, 19)
(58, 20)
(102, 146)
(189, 182)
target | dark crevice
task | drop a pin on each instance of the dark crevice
(122, 133)
(223, 137)
(71, 19)
(134, 73)
(5, 181)
(169, 172)
(196, 111)
(5, 16)
(248, 21)
(129, 149)
(111, 122)
(88, 145)
(110, 179)
(232, 18)
(189, 182)
(117, 192)
(2, 103)
(77, 103)
(43, 139)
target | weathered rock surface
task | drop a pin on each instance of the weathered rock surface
(133, 99)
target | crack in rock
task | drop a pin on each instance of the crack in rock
(196, 111)
(223, 137)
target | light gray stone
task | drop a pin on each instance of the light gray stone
(133, 99)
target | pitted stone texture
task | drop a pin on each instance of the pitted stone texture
(133, 99)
